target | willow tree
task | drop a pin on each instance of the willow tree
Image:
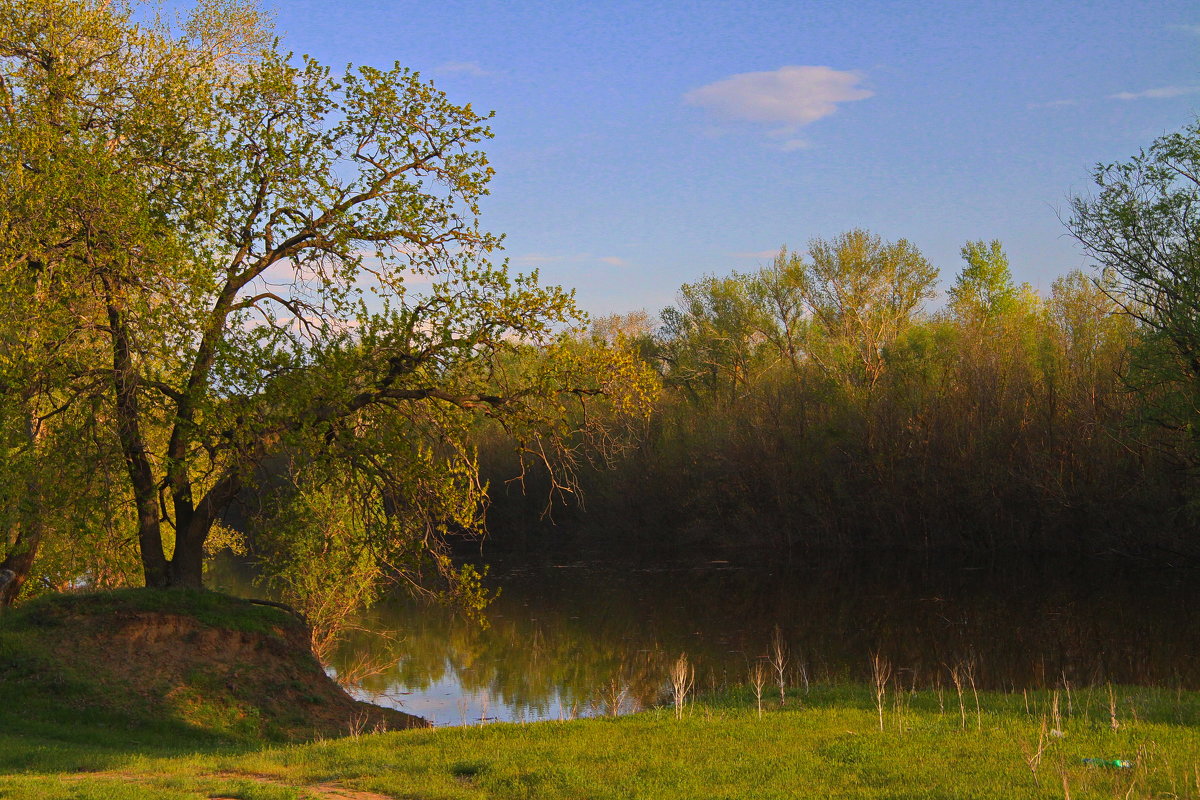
(272, 260)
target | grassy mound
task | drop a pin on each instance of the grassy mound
(165, 668)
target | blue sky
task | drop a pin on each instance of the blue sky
(641, 145)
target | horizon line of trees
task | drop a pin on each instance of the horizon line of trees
(817, 403)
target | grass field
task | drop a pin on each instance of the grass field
(824, 744)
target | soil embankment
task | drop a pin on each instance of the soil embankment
(205, 660)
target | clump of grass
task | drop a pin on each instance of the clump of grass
(612, 695)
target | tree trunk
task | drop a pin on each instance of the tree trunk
(192, 526)
(18, 562)
(187, 565)
(137, 462)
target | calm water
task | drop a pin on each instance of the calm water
(589, 637)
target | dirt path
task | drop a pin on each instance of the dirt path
(330, 790)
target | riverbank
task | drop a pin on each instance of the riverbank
(76, 722)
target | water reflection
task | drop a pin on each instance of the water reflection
(584, 638)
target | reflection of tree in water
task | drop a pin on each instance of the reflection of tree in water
(567, 634)
(525, 659)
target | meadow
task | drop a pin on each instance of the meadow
(1104, 742)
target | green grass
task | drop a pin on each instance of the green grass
(824, 744)
(58, 712)
(211, 608)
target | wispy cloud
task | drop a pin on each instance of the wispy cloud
(537, 259)
(789, 145)
(471, 68)
(541, 259)
(1054, 104)
(754, 253)
(1192, 29)
(793, 95)
(1157, 93)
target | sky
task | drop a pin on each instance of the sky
(642, 145)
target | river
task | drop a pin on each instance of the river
(569, 637)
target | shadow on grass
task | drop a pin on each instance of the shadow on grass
(68, 708)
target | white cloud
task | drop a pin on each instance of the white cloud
(613, 261)
(471, 68)
(793, 95)
(1156, 93)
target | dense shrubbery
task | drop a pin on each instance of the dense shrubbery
(816, 403)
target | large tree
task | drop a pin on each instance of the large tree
(256, 259)
(1143, 229)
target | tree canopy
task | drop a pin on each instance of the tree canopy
(220, 257)
(1143, 229)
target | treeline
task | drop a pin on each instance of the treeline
(825, 402)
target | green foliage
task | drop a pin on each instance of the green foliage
(238, 255)
(331, 537)
(984, 289)
(1143, 229)
(711, 336)
(812, 403)
(864, 293)
(838, 311)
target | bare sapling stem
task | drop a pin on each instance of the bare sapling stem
(683, 678)
(1112, 708)
(881, 673)
(758, 679)
(978, 710)
(1033, 756)
(956, 677)
(779, 661)
(898, 701)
